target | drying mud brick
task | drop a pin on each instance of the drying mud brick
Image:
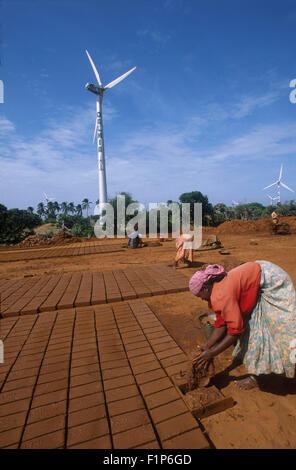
(202, 401)
(193, 439)
(93, 379)
(129, 420)
(92, 249)
(77, 290)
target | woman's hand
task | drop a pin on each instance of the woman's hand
(205, 356)
(201, 356)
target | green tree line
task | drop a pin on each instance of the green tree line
(16, 224)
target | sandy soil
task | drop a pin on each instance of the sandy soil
(261, 418)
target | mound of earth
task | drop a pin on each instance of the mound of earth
(46, 229)
(253, 226)
(61, 238)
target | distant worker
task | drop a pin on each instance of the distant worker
(275, 217)
(184, 245)
(275, 220)
(135, 239)
(255, 307)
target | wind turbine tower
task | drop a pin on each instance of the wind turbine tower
(99, 91)
(279, 184)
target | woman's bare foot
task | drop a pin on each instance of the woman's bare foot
(247, 383)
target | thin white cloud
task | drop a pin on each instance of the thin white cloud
(248, 104)
(158, 37)
(158, 162)
(118, 65)
(6, 126)
(60, 160)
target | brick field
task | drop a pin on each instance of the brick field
(93, 377)
(49, 293)
(58, 252)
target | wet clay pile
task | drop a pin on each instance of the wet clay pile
(202, 397)
(253, 226)
(60, 239)
(198, 377)
(199, 373)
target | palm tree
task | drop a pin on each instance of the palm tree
(71, 207)
(41, 209)
(86, 205)
(56, 206)
(79, 209)
(50, 209)
(64, 207)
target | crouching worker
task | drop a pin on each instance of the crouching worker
(184, 245)
(255, 307)
(135, 239)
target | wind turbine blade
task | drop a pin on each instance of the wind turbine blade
(117, 80)
(94, 69)
(270, 185)
(287, 187)
(281, 173)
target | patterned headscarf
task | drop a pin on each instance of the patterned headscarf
(212, 272)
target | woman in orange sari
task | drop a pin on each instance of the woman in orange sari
(255, 307)
(184, 245)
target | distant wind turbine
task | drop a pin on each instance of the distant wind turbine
(272, 199)
(99, 90)
(279, 184)
(47, 198)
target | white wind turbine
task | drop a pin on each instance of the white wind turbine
(47, 198)
(272, 199)
(279, 184)
(99, 90)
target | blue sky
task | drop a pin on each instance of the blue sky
(207, 108)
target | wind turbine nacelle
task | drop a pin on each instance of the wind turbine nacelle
(94, 89)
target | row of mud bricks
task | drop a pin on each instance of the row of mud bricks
(21, 297)
(96, 377)
(58, 252)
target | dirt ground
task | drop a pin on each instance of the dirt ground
(261, 418)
